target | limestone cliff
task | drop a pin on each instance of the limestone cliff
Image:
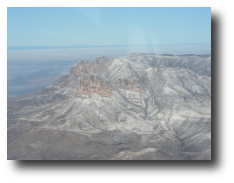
(139, 106)
(92, 84)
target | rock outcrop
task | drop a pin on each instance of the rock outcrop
(139, 106)
(92, 84)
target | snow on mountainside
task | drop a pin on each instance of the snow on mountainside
(139, 106)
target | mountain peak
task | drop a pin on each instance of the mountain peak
(139, 106)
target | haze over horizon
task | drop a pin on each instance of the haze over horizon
(109, 84)
(38, 38)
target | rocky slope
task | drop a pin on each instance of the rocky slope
(139, 106)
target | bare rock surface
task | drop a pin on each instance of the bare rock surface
(135, 107)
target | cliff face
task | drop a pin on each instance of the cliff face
(82, 68)
(91, 84)
(140, 106)
(98, 65)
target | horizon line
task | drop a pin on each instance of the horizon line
(91, 46)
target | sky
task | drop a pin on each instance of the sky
(44, 43)
(107, 26)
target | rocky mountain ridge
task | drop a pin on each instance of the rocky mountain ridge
(139, 106)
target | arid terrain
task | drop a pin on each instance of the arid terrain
(135, 107)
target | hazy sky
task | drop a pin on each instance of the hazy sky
(99, 26)
(44, 43)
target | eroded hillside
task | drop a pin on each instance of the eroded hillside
(139, 106)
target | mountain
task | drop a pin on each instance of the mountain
(135, 107)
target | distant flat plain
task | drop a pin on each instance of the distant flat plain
(24, 77)
(29, 70)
